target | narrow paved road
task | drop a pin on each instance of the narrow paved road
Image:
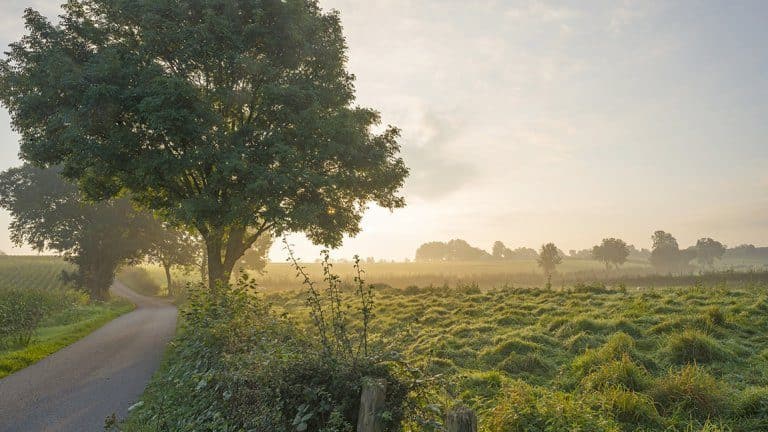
(75, 389)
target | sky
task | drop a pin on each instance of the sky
(538, 121)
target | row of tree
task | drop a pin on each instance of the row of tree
(97, 237)
(665, 255)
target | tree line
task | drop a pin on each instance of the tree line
(665, 255)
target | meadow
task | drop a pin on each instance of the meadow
(591, 358)
(39, 314)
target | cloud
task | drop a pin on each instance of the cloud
(435, 173)
(541, 12)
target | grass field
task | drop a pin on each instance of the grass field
(40, 315)
(689, 358)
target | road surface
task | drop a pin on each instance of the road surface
(76, 388)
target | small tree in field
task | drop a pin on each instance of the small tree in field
(549, 258)
(612, 252)
(231, 118)
(708, 250)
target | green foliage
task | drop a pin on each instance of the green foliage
(237, 365)
(23, 310)
(247, 126)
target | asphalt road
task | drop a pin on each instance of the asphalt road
(78, 387)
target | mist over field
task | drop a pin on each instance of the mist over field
(383, 216)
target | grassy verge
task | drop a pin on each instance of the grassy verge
(61, 331)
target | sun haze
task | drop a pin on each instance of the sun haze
(534, 121)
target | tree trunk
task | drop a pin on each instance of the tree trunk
(167, 268)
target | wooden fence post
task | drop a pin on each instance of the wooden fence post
(372, 402)
(461, 419)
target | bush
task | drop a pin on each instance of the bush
(693, 390)
(237, 365)
(23, 310)
(524, 408)
(693, 346)
(139, 280)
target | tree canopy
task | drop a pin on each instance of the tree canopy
(232, 118)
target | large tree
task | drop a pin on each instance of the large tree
(50, 214)
(234, 118)
(611, 252)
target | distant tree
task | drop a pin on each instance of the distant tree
(233, 118)
(611, 252)
(170, 247)
(460, 250)
(708, 250)
(580, 254)
(432, 251)
(256, 257)
(521, 253)
(498, 250)
(666, 255)
(639, 254)
(549, 258)
(50, 214)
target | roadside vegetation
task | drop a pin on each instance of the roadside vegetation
(39, 314)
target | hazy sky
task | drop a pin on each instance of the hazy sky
(536, 121)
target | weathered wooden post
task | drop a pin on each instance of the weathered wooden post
(372, 403)
(461, 419)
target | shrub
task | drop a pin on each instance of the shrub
(618, 373)
(691, 389)
(139, 280)
(692, 346)
(23, 310)
(237, 365)
(524, 408)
